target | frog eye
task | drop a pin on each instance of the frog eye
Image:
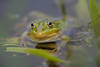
(50, 24)
(32, 25)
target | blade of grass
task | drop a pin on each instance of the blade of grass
(93, 9)
(9, 44)
(38, 52)
(95, 17)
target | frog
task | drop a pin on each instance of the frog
(45, 33)
(46, 29)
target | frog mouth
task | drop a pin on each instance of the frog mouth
(44, 37)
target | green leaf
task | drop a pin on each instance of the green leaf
(43, 54)
(16, 49)
(82, 11)
(93, 9)
(95, 17)
(12, 42)
(38, 52)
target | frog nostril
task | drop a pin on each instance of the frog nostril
(40, 29)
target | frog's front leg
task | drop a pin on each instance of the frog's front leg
(65, 40)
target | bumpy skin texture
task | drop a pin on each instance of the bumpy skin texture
(45, 30)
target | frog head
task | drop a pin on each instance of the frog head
(44, 30)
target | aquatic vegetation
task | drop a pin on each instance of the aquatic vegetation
(38, 52)
(95, 17)
(95, 24)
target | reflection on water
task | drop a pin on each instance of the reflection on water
(13, 21)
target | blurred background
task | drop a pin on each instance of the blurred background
(12, 12)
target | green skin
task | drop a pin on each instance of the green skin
(45, 30)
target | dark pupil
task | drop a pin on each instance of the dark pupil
(50, 23)
(32, 25)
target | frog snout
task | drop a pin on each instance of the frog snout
(40, 35)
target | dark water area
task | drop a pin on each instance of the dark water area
(14, 12)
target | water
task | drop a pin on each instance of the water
(14, 12)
